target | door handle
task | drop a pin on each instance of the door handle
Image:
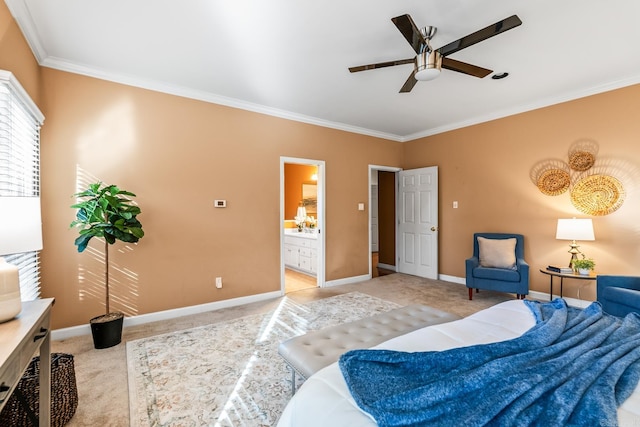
(435, 228)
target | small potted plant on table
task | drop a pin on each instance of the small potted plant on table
(108, 212)
(584, 265)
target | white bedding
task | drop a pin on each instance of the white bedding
(324, 399)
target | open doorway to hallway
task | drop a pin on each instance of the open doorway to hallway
(302, 225)
(382, 219)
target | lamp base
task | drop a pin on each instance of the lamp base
(10, 307)
(10, 301)
(574, 251)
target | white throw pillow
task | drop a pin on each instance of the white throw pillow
(498, 253)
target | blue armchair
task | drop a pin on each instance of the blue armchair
(505, 278)
(619, 295)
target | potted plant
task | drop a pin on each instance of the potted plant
(584, 265)
(107, 212)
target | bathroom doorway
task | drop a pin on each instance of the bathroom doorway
(302, 220)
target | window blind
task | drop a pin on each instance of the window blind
(20, 122)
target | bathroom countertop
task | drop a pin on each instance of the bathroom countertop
(295, 233)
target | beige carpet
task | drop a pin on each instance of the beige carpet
(102, 374)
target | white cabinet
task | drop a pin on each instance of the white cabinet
(301, 253)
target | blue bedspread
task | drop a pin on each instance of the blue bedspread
(574, 367)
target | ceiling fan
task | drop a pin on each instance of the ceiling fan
(428, 61)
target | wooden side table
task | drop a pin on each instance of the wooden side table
(562, 276)
(20, 339)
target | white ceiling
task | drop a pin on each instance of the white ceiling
(289, 58)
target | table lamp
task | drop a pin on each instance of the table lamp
(20, 231)
(575, 229)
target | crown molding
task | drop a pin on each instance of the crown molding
(62, 65)
(21, 14)
(547, 102)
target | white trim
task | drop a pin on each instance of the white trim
(387, 267)
(14, 85)
(21, 14)
(200, 95)
(537, 295)
(571, 96)
(347, 280)
(453, 279)
(288, 115)
(74, 331)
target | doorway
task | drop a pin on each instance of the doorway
(302, 221)
(403, 221)
(382, 219)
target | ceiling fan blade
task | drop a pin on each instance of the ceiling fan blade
(410, 31)
(410, 83)
(480, 35)
(382, 65)
(463, 67)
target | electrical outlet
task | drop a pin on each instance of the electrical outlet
(219, 282)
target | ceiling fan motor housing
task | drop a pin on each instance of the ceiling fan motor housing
(428, 65)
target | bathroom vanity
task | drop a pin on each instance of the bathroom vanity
(301, 251)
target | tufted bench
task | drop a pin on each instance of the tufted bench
(307, 354)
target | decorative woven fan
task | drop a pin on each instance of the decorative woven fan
(553, 182)
(581, 160)
(597, 195)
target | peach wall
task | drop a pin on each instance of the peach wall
(178, 155)
(486, 168)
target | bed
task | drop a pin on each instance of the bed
(325, 400)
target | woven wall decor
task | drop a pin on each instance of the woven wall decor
(597, 195)
(581, 160)
(553, 182)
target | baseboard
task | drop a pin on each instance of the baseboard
(347, 280)
(452, 279)
(387, 266)
(541, 296)
(74, 331)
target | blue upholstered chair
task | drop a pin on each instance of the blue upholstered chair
(503, 278)
(619, 295)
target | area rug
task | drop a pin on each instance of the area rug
(229, 373)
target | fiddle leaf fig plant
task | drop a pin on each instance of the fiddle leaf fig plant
(107, 212)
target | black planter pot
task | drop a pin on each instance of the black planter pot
(107, 330)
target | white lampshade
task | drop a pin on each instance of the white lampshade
(575, 229)
(20, 231)
(20, 225)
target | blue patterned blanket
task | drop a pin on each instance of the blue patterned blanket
(574, 367)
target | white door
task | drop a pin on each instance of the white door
(374, 218)
(418, 222)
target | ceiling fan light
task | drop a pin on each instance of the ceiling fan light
(427, 74)
(428, 65)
